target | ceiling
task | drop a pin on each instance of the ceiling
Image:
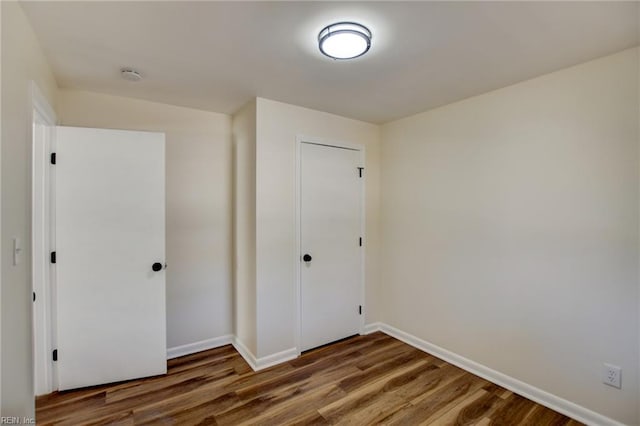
(218, 55)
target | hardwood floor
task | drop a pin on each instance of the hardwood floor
(359, 381)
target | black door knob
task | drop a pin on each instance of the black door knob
(306, 258)
(156, 266)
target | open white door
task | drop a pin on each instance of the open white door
(109, 231)
(330, 231)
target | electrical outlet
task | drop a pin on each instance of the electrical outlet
(612, 375)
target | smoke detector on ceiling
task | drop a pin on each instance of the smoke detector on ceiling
(130, 74)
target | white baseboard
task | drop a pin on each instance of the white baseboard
(202, 345)
(533, 393)
(248, 356)
(372, 328)
(277, 358)
(258, 364)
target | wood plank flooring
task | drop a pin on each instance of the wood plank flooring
(363, 380)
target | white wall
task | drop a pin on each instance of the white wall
(244, 145)
(510, 230)
(22, 61)
(199, 204)
(278, 124)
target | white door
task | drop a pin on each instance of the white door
(330, 232)
(109, 232)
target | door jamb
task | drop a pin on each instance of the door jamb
(300, 139)
(43, 282)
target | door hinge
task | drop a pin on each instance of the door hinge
(360, 170)
(360, 241)
(53, 158)
(360, 310)
(53, 257)
(55, 355)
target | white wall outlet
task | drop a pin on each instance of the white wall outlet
(612, 375)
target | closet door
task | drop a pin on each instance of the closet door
(109, 191)
(330, 231)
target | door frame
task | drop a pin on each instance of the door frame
(42, 239)
(300, 139)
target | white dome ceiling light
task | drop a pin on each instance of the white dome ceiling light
(130, 74)
(344, 40)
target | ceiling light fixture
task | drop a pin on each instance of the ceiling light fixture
(344, 40)
(131, 75)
